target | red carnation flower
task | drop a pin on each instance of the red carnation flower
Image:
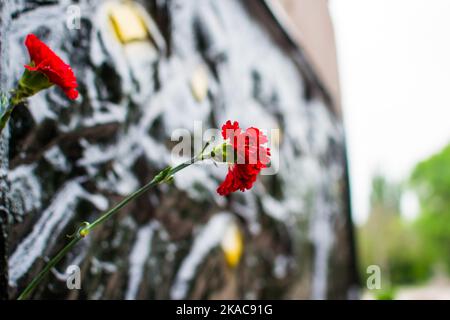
(45, 61)
(248, 159)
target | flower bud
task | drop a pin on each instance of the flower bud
(84, 232)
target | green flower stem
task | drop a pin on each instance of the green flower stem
(33, 284)
(7, 107)
(162, 177)
(5, 117)
(29, 84)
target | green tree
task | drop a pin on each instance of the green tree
(431, 179)
(387, 240)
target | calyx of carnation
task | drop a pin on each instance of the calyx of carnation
(31, 83)
(224, 153)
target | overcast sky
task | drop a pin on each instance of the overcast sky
(394, 64)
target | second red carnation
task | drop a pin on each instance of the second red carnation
(44, 60)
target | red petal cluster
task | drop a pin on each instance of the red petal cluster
(46, 61)
(250, 157)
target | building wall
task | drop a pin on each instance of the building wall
(64, 162)
(311, 25)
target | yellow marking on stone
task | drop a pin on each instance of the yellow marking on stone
(277, 137)
(232, 245)
(199, 83)
(127, 22)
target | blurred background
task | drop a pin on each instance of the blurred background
(388, 66)
(395, 72)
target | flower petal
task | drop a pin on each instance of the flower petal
(230, 130)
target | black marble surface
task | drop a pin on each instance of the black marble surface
(63, 162)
